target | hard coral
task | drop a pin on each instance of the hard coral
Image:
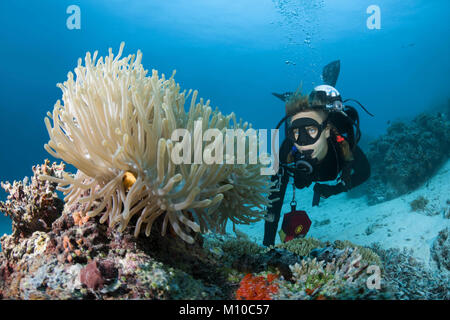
(116, 127)
(406, 156)
(368, 255)
(33, 206)
(440, 250)
(92, 261)
(409, 279)
(301, 246)
(419, 203)
(321, 279)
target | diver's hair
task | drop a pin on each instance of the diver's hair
(298, 102)
(346, 151)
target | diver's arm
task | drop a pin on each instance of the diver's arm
(270, 228)
(361, 168)
(361, 172)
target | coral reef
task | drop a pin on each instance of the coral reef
(419, 203)
(316, 271)
(322, 279)
(257, 287)
(80, 258)
(246, 256)
(367, 254)
(230, 250)
(409, 279)
(33, 206)
(304, 247)
(85, 259)
(95, 262)
(115, 127)
(406, 156)
(119, 128)
(301, 246)
(330, 271)
(440, 250)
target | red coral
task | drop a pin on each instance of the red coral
(257, 287)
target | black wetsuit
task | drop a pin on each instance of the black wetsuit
(326, 170)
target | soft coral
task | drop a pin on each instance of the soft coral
(257, 287)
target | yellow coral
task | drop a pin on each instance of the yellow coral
(367, 254)
(301, 246)
(115, 127)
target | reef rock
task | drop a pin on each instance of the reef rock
(78, 257)
(407, 156)
(440, 250)
(33, 206)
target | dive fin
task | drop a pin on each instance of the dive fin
(283, 96)
(330, 73)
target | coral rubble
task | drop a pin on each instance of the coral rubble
(409, 279)
(440, 250)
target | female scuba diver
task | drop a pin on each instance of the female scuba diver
(320, 145)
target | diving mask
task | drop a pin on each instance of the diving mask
(306, 131)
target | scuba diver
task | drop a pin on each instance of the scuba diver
(320, 145)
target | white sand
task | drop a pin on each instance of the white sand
(393, 224)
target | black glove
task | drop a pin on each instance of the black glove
(325, 190)
(302, 179)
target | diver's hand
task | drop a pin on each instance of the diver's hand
(302, 179)
(325, 190)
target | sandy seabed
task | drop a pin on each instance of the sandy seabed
(391, 224)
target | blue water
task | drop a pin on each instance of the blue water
(233, 52)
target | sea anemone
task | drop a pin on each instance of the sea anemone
(115, 126)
